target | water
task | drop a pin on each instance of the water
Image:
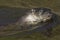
(12, 15)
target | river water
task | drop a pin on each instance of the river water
(12, 15)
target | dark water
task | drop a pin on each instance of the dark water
(11, 15)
